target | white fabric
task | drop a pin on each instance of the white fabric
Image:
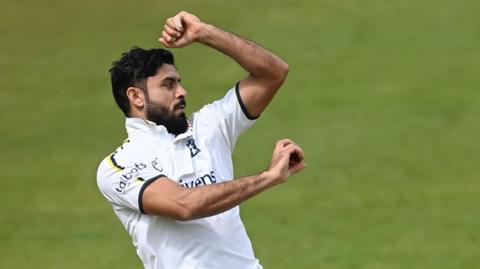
(215, 242)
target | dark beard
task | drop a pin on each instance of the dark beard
(161, 116)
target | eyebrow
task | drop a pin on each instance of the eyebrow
(172, 78)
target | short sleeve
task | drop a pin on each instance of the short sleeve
(231, 115)
(123, 183)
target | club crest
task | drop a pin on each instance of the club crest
(193, 148)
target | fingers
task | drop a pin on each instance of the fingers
(164, 42)
(171, 32)
(282, 144)
(285, 142)
(287, 159)
(294, 148)
(175, 23)
(181, 30)
(295, 158)
(168, 37)
(291, 147)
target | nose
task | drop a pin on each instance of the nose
(181, 92)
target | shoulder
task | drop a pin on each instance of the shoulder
(116, 162)
(120, 155)
(133, 159)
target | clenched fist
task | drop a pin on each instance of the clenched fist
(181, 30)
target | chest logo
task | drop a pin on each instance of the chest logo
(194, 150)
(156, 165)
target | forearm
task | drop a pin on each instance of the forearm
(165, 197)
(216, 198)
(256, 60)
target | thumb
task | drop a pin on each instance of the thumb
(178, 21)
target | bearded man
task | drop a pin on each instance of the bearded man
(171, 183)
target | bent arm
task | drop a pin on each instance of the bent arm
(267, 71)
(166, 197)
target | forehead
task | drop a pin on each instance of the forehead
(165, 71)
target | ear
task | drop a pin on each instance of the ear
(136, 97)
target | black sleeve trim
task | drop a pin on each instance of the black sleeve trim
(242, 105)
(142, 189)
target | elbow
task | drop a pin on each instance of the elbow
(282, 72)
(285, 69)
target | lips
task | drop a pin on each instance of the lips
(181, 105)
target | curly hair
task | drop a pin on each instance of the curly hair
(133, 69)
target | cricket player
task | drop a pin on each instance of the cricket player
(171, 183)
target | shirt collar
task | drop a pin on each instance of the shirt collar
(135, 125)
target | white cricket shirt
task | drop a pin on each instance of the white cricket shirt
(200, 156)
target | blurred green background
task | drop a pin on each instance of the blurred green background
(382, 95)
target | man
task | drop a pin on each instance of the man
(171, 183)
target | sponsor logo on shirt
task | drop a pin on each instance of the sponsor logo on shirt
(156, 165)
(207, 179)
(126, 177)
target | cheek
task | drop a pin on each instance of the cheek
(160, 98)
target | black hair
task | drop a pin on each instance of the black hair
(133, 69)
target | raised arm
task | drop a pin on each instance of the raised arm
(165, 197)
(267, 71)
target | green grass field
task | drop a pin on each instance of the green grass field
(383, 96)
